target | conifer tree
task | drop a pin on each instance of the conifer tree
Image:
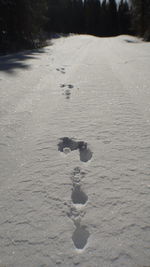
(141, 17)
(77, 16)
(22, 22)
(92, 16)
(124, 17)
(104, 23)
(112, 18)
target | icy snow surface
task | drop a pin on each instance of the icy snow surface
(75, 154)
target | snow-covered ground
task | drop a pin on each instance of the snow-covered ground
(75, 154)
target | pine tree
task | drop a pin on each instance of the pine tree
(141, 17)
(104, 19)
(21, 22)
(92, 15)
(77, 16)
(112, 18)
(124, 19)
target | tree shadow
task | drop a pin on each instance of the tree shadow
(10, 63)
(58, 35)
(131, 41)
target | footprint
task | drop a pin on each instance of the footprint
(63, 85)
(67, 93)
(62, 70)
(85, 153)
(78, 196)
(80, 236)
(67, 142)
(70, 86)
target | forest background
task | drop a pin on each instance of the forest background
(28, 23)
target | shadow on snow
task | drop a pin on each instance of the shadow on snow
(9, 63)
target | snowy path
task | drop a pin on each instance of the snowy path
(75, 154)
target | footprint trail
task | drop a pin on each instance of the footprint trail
(78, 197)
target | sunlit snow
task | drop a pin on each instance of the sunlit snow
(75, 154)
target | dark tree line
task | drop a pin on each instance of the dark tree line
(140, 10)
(22, 22)
(89, 16)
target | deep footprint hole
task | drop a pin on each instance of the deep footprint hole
(80, 237)
(67, 92)
(84, 151)
(78, 196)
(70, 86)
(67, 142)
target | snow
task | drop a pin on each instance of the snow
(74, 154)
